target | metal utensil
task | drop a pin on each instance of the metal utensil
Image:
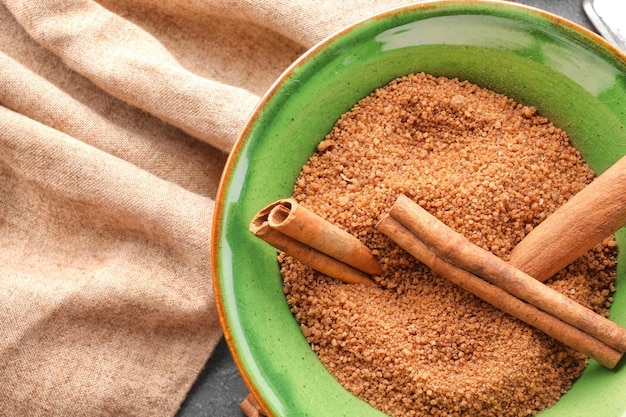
(609, 19)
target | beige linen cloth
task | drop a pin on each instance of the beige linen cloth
(116, 118)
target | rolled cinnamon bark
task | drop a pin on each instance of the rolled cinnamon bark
(590, 216)
(552, 326)
(296, 221)
(304, 253)
(457, 250)
(251, 408)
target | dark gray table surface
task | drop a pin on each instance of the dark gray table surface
(219, 389)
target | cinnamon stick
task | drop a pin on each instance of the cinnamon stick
(303, 249)
(499, 298)
(456, 249)
(590, 216)
(251, 408)
(296, 221)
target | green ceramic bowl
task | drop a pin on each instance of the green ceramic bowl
(572, 76)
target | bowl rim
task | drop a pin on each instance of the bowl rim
(310, 53)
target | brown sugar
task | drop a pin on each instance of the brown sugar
(491, 169)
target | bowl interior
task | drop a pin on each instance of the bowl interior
(571, 76)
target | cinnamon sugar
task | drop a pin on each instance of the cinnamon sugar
(491, 169)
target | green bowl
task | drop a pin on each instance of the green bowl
(572, 76)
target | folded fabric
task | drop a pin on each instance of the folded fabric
(115, 123)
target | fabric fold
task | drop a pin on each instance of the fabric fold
(103, 272)
(127, 62)
(44, 102)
